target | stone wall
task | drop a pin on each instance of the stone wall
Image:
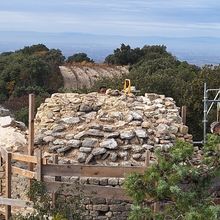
(108, 129)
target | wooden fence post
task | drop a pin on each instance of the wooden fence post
(183, 114)
(57, 178)
(31, 129)
(39, 165)
(147, 158)
(8, 184)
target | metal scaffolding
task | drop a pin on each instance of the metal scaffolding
(208, 104)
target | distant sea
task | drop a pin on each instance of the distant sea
(195, 50)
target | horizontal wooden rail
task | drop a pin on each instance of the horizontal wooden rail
(24, 158)
(88, 171)
(90, 190)
(15, 202)
(22, 172)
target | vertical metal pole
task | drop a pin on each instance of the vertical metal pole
(205, 113)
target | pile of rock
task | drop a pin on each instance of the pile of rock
(13, 134)
(107, 129)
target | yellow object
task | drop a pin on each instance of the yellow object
(127, 86)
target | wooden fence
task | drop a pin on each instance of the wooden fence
(41, 170)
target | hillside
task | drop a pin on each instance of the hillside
(83, 75)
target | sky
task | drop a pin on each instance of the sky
(187, 18)
(190, 28)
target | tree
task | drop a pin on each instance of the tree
(181, 180)
(79, 57)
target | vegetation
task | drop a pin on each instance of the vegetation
(180, 181)
(153, 69)
(78, 58)
(33, 69)
(69, 207)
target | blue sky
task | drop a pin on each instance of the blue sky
(168, 18)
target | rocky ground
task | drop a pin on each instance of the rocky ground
(78, 76)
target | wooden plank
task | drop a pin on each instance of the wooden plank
(15, 202)
(88, 171)
(3, 153)
(23, 172)
(8, 184)
(24, 158)
(92, 190)
(39, 165)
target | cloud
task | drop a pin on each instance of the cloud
(113, 17)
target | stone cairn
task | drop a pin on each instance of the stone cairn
(107, 129)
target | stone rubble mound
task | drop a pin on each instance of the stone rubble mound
(106, 129)
(13, 134)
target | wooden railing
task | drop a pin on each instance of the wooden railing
(41, 170)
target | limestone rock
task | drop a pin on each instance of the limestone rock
(127, 135)
(90, 142)
(109, 144)
(6, 121)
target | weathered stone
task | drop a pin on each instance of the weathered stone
(113, 156)
(136, 156)
(85, 108)
(82, 157)
(127, 135)
(95, 133)
(137, 116)
(38, 139)
(109, 144)
(96, 126)
(89, 158)
(123, 154)
(141, 133)
(113, 181)
(69, 136)
(103, 208)
(112, 134)
(54, 148)
(63, 149)
(90, 142)
(148, 146)
(103, 181)
(96, 200)
(59, 128)
(173, 129)
(137, 148)
(4, 112)
(58, 134)
(85, 149)
(108, 128)
(6, 121)
(59, 142)
(93, 180)
(89, 116)
(73, 143)
(98, 151)
(48, 139)
(71, 120)
(162, 129)
(80, 135)
(183, 129)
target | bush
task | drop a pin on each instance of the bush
(185, 187)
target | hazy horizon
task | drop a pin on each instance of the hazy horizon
(189, 29)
